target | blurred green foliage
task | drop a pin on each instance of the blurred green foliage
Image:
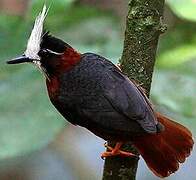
(183, 8)
(177, 56)
(28, 121)
(179, 44)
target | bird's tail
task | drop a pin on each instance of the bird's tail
(164, 151)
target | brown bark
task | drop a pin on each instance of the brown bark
(143, 27)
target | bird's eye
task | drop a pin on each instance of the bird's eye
(47, 52)
(43, 52)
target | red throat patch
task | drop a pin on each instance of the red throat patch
(53, 86)
(69, 59)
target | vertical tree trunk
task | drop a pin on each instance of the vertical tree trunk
(143, 27)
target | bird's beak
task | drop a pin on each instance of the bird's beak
(21, 59)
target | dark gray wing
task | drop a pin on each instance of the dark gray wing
(124, 95)
(128, 99)
(101, 97)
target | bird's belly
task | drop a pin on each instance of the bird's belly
(109, 125)
(97, 115)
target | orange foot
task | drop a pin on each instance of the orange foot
(116, 151)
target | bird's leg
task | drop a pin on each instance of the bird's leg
(116, 151)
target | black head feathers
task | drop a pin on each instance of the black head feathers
(52, 43)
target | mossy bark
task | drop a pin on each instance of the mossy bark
(143, 27)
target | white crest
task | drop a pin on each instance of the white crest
(33, 45)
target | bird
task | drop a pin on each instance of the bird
(90, 91)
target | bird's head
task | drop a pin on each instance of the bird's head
(51, 55)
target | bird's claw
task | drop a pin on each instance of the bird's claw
(114, 152)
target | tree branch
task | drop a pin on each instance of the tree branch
(143, 27)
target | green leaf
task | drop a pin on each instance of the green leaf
(184, 8)
(177, 56)
(174, 90)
